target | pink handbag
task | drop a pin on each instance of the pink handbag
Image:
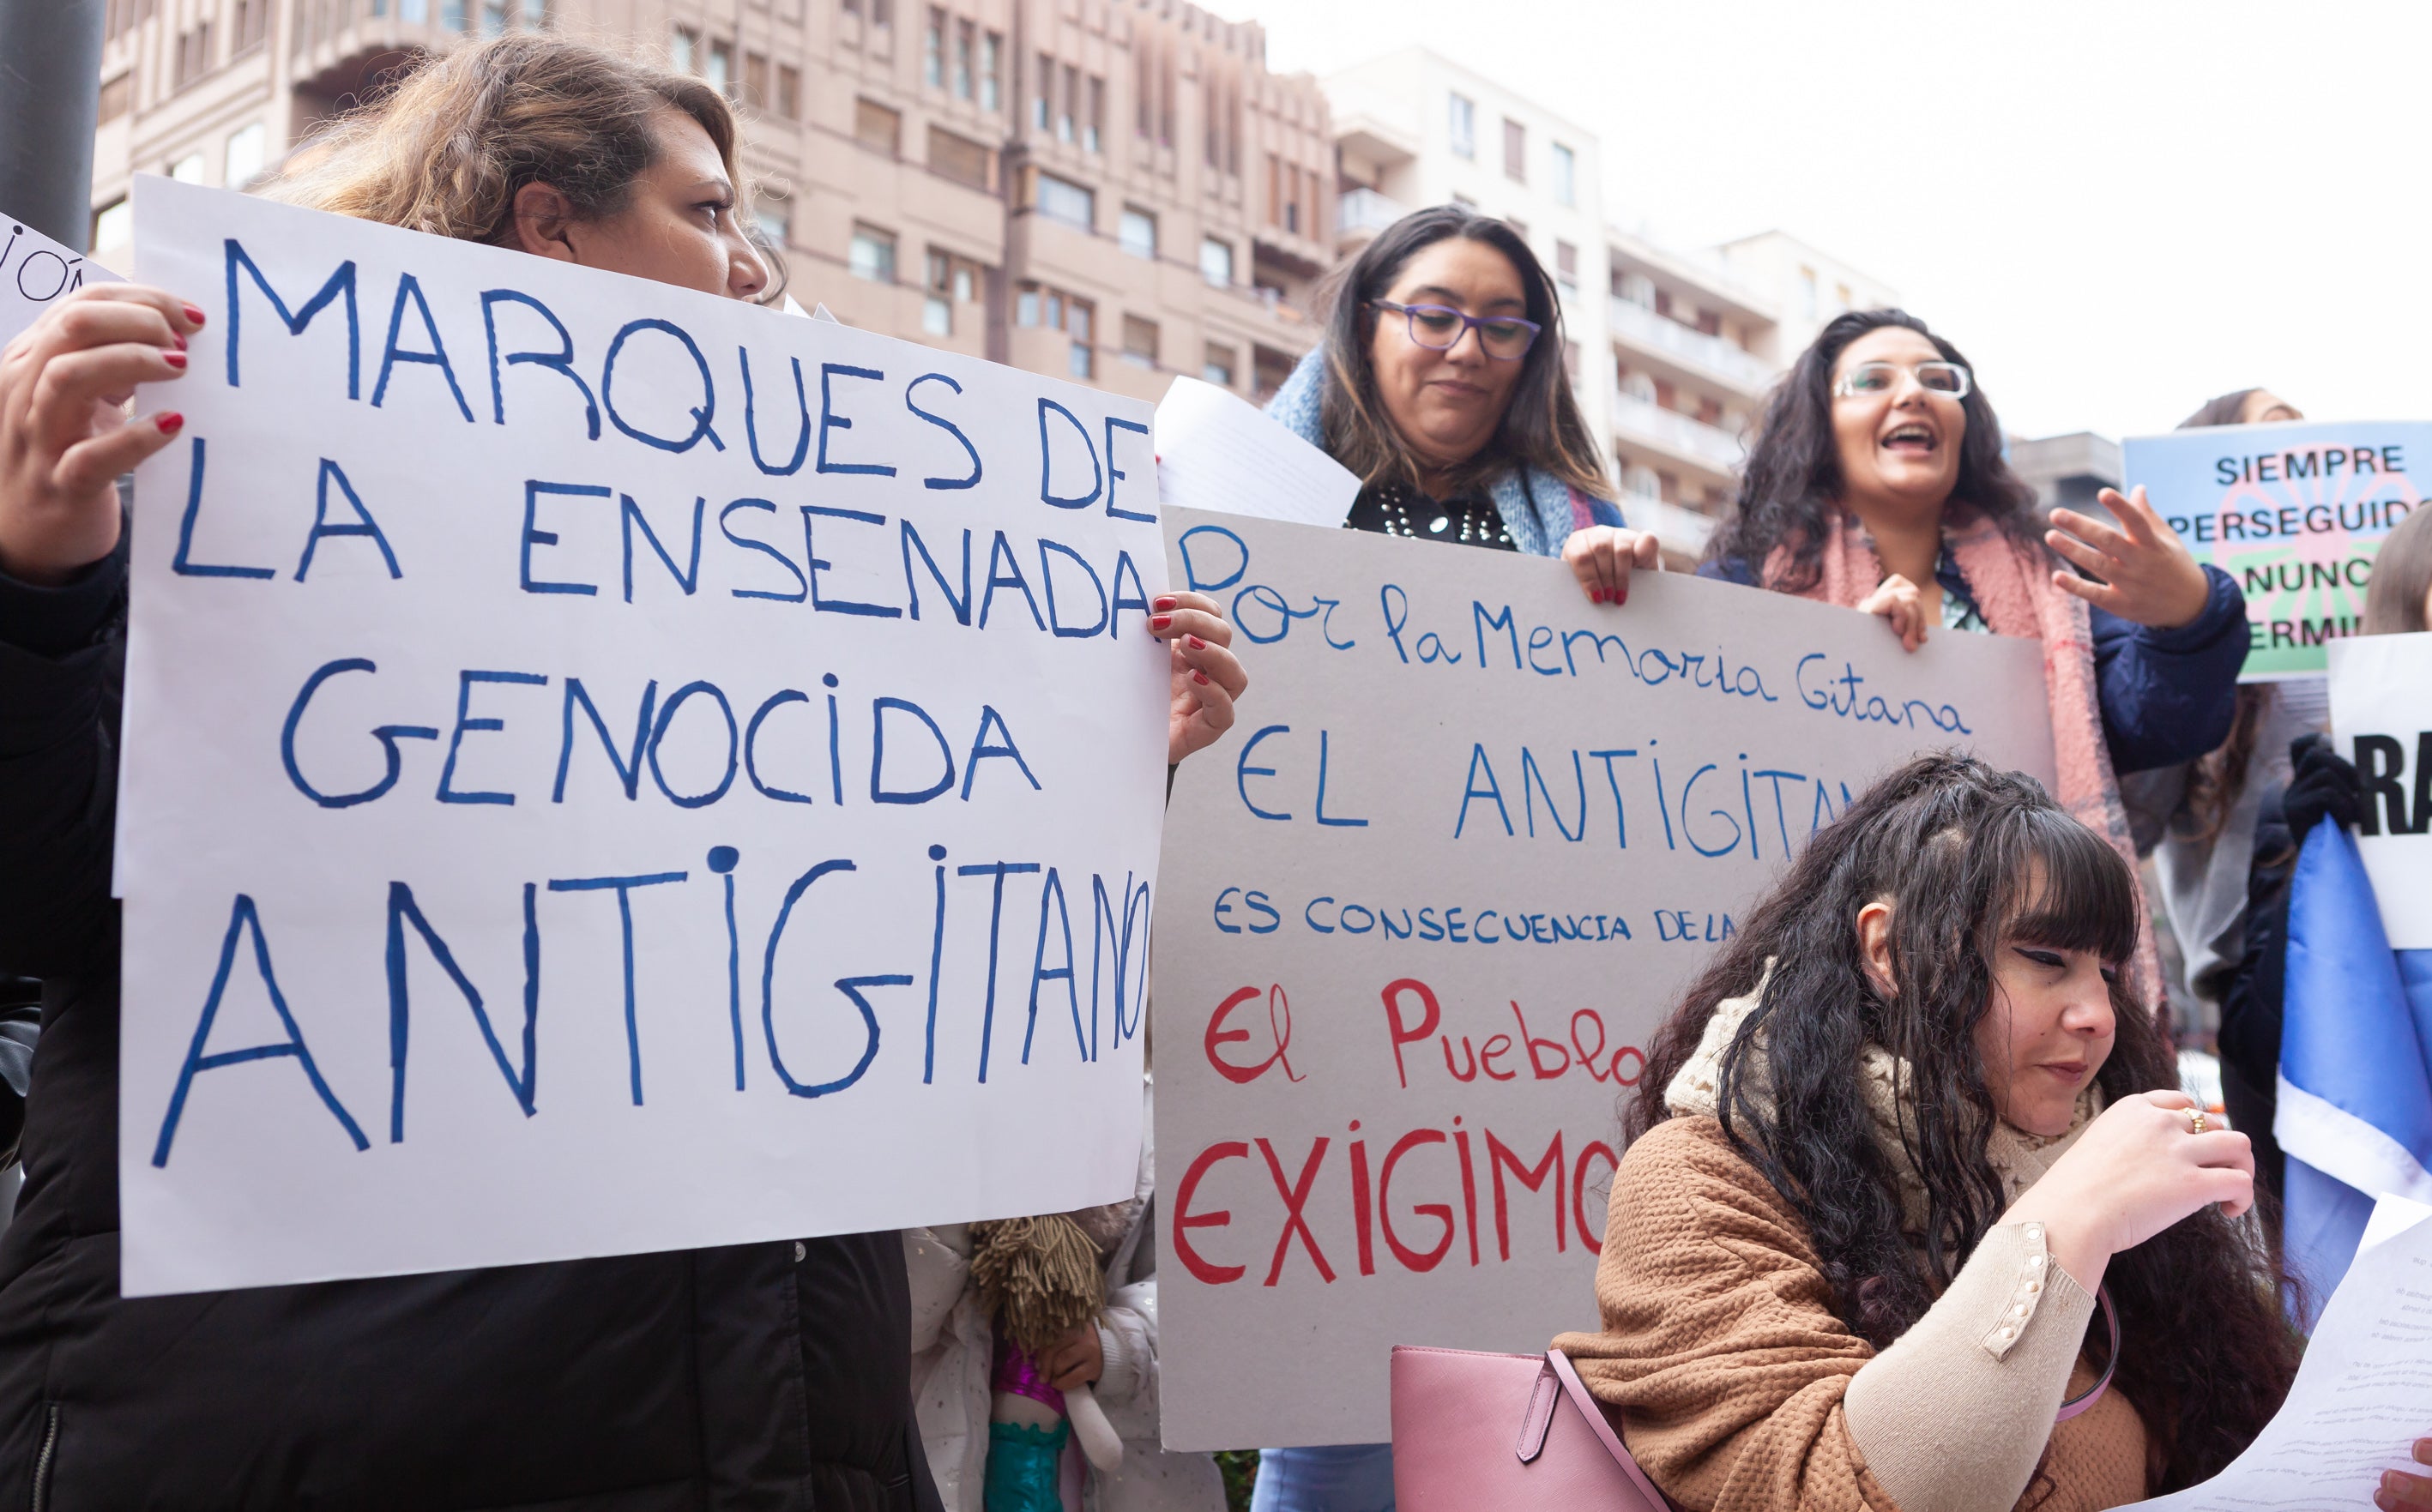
(1518, 1433)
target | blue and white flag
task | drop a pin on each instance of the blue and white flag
(2356, 1062)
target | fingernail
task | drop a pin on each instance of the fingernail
(1159, 621)
(1196, 644)
(180, 340)
(194, 314)
(169, 423)
(173, 359)
(1164, 603)
(1199, 676)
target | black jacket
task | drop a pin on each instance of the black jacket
(762, 1375)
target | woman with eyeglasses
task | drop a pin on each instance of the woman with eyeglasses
(1876, 481)
(1440, 384)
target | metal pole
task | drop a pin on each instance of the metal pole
(50, 96)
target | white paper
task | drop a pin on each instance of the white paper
(1216, 452)
(2363, 1395)
(2381, 716)
(36, 272)
(943, 1065)
(1477, 782)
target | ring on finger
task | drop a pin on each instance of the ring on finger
(2196, 1122)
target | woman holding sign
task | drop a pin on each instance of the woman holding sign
(768, 1373)
(1914, 1130)
(1440, 384)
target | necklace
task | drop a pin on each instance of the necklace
(1461, 520)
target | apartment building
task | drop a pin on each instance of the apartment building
(1112, 190)
(1415, 129)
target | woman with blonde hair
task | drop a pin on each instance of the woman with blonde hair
(763, 1374)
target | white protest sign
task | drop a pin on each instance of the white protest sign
(36, 273)
(1423, 906)
(2381, 714)
(1217, 452)
(615, 770)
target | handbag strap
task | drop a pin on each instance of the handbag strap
(2094, 1393)
(1559, 1379)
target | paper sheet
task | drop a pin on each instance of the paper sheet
(2363, 1396)
(35, 273)
(1215, 451)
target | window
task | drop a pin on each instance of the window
(115, 95)
(789, 91)
(1137, 235)
(253, 26)
(775, 218)
(882, 12)
(451, 14)
(1044, 102)
(1216, 262)
(1047, 308)
(1139, 341)
(990, 45)
(1464, 126)
(721, 72)
(493, 18)
(1094, 125)
(1566, 266)
(1635, 287)
(1217, 367)
(755, 80)
(193, 54)
(246, 148)
(1841, 297)
(114, 227)
(938, 309)
(1710, 410)
(1515, 151)
(188, 169)
(933, 50)
(1060, 199)
(1292, 204)
(535, 14)
(1067, 103)
(682, 44)
(1807, 292)
(1638, 386)
(959, 157)
(873, 254)
(1566, 175)
(1710, 323)
(964, 33)
(877, 128)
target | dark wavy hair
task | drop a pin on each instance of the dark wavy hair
(1792, 480)
(1542, 428)
(1971, 857)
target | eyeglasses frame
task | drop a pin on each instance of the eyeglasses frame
(1841, 389)
(1468, 324)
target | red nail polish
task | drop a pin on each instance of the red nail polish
(169, 423)
(1159, 621)
(194, 314)
(1164, 603)
(1196, 644)
(177, 359)
(180, 340)
(1199, 676)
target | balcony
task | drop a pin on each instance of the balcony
(1709, 357)
(1363, 212)
(1668, 431)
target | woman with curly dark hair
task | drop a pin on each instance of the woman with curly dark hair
(1876, 481)
(1908, 1126)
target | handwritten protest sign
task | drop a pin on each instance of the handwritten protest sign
(36, 273)
(615, 769)
(2381, 715)
(1423, 906)
(2294, 513)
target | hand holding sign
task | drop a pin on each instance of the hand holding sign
(2147, 574)
(1207, 675)
(63, 440)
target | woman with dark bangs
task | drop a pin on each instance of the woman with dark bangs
(1914, 1120)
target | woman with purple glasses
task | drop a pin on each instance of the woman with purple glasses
(1440, 384)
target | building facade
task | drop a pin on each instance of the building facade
(1112, 190)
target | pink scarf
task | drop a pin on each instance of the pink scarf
(2013, 588)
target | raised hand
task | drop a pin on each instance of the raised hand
(63, 436)
(1207, 676)
(2147, 575)
(1603, 556)
(2136, 1170)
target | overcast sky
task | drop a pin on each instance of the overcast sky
(2116, 209)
